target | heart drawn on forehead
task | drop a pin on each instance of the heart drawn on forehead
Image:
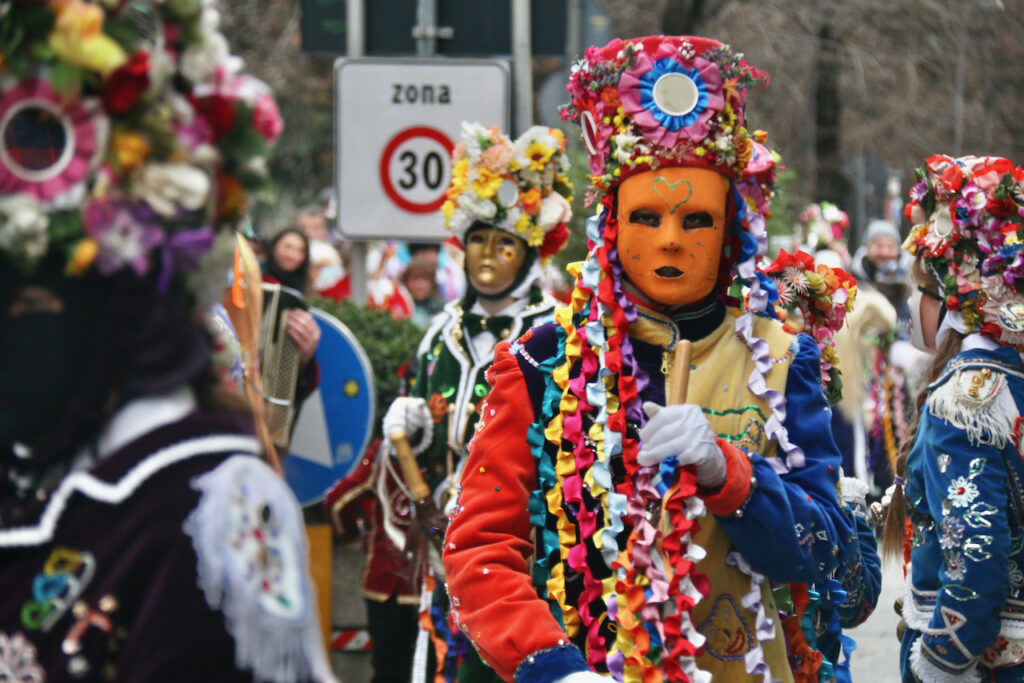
(669, 195)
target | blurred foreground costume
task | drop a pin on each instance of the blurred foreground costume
(579, 545)
(141, 536)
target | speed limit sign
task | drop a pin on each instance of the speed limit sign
(397, 122)
(414, 168)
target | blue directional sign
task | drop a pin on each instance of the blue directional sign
(334, 426)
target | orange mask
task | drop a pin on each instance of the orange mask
(671, 228)
(493, 259)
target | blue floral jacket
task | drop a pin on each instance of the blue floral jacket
(963, 602)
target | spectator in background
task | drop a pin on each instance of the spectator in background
(313, 223)
(880, 263)
(327, 275)
(420, 279)
(287, 261)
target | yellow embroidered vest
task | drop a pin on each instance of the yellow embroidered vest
(721, 367)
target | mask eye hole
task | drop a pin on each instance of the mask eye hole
(476, 238)
(699, 219)
(645, 217)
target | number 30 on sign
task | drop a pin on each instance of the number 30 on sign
(415, 169)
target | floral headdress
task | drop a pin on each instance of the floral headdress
(661, 101)
(129, 135)
(520, 186)
(814, 299)
(968, 218)
(823, 224)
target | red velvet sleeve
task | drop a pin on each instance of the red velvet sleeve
(488, 548)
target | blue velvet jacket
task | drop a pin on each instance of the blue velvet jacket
(964, 600)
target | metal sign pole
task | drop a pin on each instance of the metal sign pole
(355, 36)
(522, 65)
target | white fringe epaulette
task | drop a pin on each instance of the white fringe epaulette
(250, 542)
(978, 401)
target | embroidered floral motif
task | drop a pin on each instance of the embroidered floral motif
(952, 533)
(64, 576)
(18, 660)
(962, 492)
(955, 569)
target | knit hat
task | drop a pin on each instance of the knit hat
(968, 218)
(661, 101)
(520, 186)
(128, 138)
(881, 228)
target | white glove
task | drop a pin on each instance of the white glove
(682, 431)
(409, 414)
(583, 677)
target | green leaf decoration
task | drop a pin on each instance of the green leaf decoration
(67, 80)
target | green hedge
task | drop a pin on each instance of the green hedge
(388, 343)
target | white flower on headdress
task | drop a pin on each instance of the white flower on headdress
(23, 227)
(200, 59)
(459, 221)
(168, 187)
(477, 208)
(470, 133)
(624, 146)
(553, 210)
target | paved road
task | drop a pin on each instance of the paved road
(876, 659)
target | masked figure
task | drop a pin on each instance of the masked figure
(600, 532)
(141, 536)
(960, 489)
(508, 206)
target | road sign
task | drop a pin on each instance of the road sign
(333, 428)
(396, 123)
(479, 29)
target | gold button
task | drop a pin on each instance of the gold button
(470, 409)
(973, 392)
(987, 372)
(108, 604)
(504, 333)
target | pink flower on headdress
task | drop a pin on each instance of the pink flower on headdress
(657, 83)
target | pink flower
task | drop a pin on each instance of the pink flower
(266, 118)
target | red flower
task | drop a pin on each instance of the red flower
(220, 113)
(991, 330)
(800, 260)
(124, 86)
(553, 241)
(1004, 208)
(952, 178)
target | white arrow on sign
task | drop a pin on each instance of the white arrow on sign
(311, 440)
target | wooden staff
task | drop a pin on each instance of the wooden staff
(410, 469)
(680, 373)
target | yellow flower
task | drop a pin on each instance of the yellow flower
(816, 282)
(486, 183)
(531, 201)
(82, 257)
(523, 223)
(448, 210)
(78, 37)
(539, 154)
(460, 171)
(130, 149)
(536, 236)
